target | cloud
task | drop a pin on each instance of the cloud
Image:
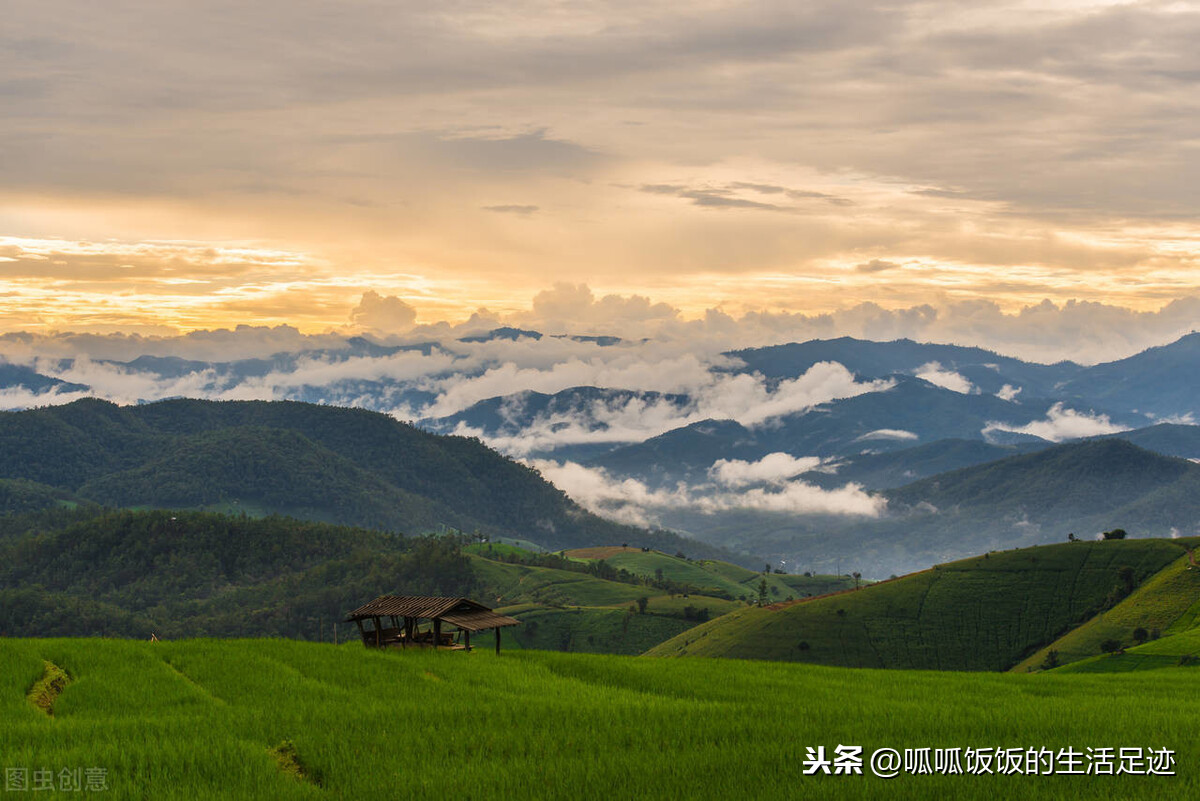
(774, 468)
(1008, 392)
(745, 398)
(631, 501)
(876, 266)
(378, 313)
(935, 374)
(1061, 424)
(521, 211)
(888, 434)
(727, 196)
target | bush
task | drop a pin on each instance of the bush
(1115, 534)
(1110, 646)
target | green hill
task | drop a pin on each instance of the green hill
(131, 573)
(174, 573)
(275, 719)
(332, 464)
(713, 577)
(1066, 482)
(576, 609)
(985, 613)
(1165, 604)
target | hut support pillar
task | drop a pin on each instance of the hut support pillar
(467, 634)
(497, 641)
(437, 632)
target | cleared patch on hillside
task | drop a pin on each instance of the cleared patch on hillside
(287, 758)
(45, 691)
(599, 552)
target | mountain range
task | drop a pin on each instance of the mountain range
(323, 463)
(809, 453)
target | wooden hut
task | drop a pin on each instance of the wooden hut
(425, 621)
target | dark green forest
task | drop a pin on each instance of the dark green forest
(127, 573)
(321, 463)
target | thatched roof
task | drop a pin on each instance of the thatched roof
(461, 612)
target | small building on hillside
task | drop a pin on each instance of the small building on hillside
(425, 621)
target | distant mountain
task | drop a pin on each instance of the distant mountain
(1082, 488)
(896, 468)
(1169, 439)
(316, 462)
(912, 412)
(15, 375)
(572, 424)
(1163, 381)
(1099, 478)
(987, 370)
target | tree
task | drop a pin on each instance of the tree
(1115, 534)
(1126, 575)
(641, 602)
(857, 580)
(1140, 635)
(1110, 646)
(1051, 660)
(762, 592)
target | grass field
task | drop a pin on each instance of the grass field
(709, 576)
(985, 613)
(277, 719)
(1174, 650)
(1161, 606)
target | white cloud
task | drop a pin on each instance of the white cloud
(16, 398)
(935, 374)
(1008, 392)
(388, 314)
(774, 468)
(1061, 424)
(1187, 419)
(888, 433)
(631, 501)
(745, 398)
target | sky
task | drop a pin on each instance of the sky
(997, 173)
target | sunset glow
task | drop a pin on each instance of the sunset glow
(170, 169)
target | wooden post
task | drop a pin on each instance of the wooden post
(335, 632)
(437, 632)
(361, 631)
(497, 641)
(378, 639)
(467, 633)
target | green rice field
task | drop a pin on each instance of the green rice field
(280, 719)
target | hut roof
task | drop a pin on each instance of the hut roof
(461, 612)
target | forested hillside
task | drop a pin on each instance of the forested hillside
(332, 464)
